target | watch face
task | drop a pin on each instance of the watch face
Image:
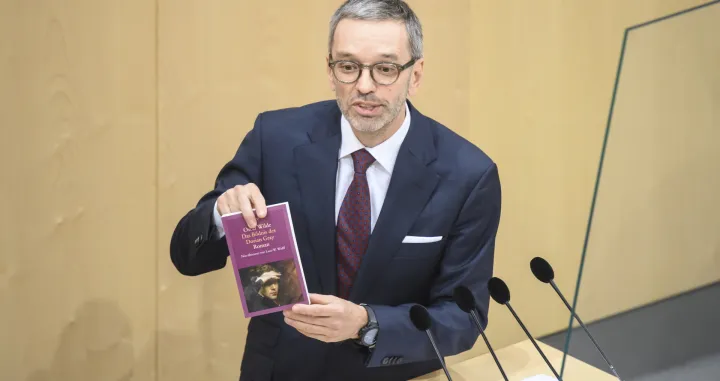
(369, 337)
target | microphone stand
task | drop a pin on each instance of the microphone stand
(476, 319)
(442, 361)
(533, 341)
(557, 290)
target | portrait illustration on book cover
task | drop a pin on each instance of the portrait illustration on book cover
(270, 285)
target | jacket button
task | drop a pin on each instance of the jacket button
(198, 240)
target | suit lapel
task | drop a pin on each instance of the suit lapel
(411, 186)
(316, 165)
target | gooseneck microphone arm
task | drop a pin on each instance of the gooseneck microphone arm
(545, 273)
(420, 318)
(437, 351)
(501, 294)
(465, 299)
(475, 317)
(607, 361)
(512, 311)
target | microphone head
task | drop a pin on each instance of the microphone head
(542, 270)
(420, 317)
(498, 290)
(464, 298)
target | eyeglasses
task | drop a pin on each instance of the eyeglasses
(383, 73)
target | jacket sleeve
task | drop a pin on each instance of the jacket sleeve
(468, 261)
(195, 247)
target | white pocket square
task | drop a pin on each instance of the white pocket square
(417, 239)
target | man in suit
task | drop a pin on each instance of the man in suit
(390, 209)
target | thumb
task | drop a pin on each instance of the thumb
(321, 299)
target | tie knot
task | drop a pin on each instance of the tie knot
(362, 160)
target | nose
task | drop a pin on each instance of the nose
(365, 83)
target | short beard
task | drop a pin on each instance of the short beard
(374, 126)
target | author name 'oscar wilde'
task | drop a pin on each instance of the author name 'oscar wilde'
(259, 237)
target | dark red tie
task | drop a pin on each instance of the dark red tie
(353, 226)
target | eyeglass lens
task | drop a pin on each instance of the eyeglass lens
(346, 71)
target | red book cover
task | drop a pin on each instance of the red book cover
(266, 261)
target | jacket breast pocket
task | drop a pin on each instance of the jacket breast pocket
(421, 247)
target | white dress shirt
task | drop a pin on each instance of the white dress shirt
(378, 174)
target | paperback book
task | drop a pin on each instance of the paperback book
(266, 261)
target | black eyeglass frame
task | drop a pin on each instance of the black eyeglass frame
(370, 67)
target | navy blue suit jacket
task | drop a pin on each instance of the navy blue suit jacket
(441, 185)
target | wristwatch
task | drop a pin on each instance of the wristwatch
(368, 333)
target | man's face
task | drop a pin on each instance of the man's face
(369, 106)
(270, 290)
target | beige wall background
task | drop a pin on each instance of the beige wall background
(117, 115)
(660, 175)
(79, 249)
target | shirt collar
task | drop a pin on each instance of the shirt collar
(384, 153)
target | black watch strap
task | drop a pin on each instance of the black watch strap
(370, 330)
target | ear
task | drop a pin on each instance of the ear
(331, 77)
(416, 76)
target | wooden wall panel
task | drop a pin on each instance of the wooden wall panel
(77, 258)
(221, 63)
(655, 231)
(540, 95)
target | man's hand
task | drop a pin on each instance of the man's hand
(328, 318)
(243, 198)
(266, 276)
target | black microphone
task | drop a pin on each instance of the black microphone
(420, 318)
(501, 294)
(465, 299)
(544, 273)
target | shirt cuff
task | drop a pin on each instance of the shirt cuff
(218, 222)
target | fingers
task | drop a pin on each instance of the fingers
(322, 299)
(243, 199)
(246, 209)
(270, 275)
(316, 310)
(320, 305)
(321, 328)
(315, 321)
(307, 327)
(229, 202)
(304, 325)
(308, 330)
(267, 279)
(272, 278)
(222, 206)
(258, 201)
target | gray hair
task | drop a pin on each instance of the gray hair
(380, 10)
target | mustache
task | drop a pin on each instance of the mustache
(368, 98)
